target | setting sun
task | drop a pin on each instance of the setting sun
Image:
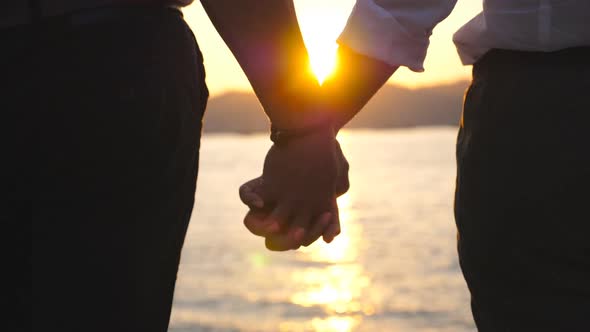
(321, 25)
(323, 59)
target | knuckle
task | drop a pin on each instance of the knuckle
(345, 186)
(247, 222)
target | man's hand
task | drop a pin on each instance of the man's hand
(257, 220)
(300, 181)
(294, 202)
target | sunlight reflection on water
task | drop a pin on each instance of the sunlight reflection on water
(393, 268)
(338, 287)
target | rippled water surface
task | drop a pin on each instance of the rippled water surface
(394, 267)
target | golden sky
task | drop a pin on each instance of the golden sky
(321, 22)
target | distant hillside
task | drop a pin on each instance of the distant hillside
(392, 107)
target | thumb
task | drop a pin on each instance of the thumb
(259, 224)
(251, 193)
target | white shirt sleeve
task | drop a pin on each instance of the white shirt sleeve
(394, 31)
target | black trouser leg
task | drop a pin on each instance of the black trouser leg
(113, 166)
(523, 189)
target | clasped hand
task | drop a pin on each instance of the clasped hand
(293, 203)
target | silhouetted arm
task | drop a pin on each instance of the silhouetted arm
(355, 81)
(380, 36)
(265, 39)
(300, 176)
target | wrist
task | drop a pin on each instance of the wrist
(317, 127)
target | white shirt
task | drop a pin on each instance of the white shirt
(397, 31)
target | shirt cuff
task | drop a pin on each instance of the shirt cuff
(375, 32)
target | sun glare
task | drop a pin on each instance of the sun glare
(321, 24)
(323, 59)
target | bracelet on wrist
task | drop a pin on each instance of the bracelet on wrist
(282, 137)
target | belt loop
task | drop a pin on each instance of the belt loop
(35, 10)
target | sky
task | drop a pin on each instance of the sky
(321, 22)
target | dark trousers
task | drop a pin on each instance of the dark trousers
(103, 115)
(523, 191)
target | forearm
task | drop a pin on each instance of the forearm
(264, 37)
(355, 81)
(396, 33)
